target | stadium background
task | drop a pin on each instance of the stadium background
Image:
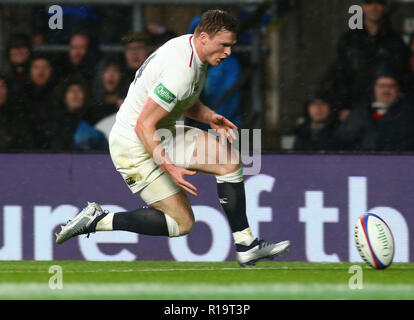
(286, 50)
(312, 198)
(289, 200)
(287, 54)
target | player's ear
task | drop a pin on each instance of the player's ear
(204, 37)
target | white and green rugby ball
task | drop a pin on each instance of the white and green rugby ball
(374, 241)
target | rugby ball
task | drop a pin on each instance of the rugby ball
(374, 241)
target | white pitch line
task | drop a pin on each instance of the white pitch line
(179, 269)
(212, 291)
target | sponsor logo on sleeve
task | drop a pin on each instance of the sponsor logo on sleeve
(164, 94)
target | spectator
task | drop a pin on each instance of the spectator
(15, 131)
(82, 57)
(315, 134)
(219, 80)
(70, 129)
(19, 50)
(37, 98)
(136, 52)
(107, 96)
(107, 93)
(383, 122)
(361, 51)
(159, 35)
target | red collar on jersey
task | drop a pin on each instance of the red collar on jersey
(192, 52)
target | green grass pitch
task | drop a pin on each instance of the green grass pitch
(202, 280)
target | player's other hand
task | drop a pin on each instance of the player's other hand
(177, 174)
(224, 127)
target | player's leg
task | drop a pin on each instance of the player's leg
(200, 151)
(178, 209)
(223, 161)
(169, 214)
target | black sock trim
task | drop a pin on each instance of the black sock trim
(243, 248)
(92, 227)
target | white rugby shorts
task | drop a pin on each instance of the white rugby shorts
(138, 169)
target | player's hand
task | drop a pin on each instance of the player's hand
(224, 127)
(177, 174)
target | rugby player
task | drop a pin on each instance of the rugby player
(167, 86)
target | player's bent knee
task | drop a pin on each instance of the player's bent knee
(179, 222)
(234, 176)
(185, 226)
(232, 164)
(230, 168)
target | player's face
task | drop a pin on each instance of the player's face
(218, 47)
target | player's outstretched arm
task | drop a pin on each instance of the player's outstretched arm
(200, 112)
(204, 114)
(146, 131)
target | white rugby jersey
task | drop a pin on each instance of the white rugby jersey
(173, 76)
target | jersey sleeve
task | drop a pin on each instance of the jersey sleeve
(171, 87)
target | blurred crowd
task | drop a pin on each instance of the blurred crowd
(68, 101)
(365, 103)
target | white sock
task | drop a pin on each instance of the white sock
(244, 237)
(172, 226)
(105, 224)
